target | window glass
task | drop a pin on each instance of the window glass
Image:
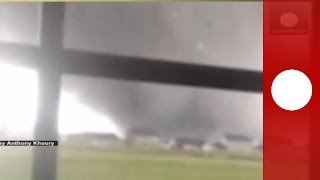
(18, 104)
(212, 33)
(20, 23)
(134, 130)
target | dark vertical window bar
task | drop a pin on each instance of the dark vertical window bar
(45, 158)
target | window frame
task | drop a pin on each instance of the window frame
(52, 61)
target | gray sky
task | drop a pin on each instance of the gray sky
(227, 34)
(215, 33)
(222, 34)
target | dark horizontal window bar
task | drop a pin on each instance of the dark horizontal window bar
(133, 68)
(143, 69)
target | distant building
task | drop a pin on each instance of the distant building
(220, 146)
(186, 143)
(142, 136)
(217, 142)
(207, 147)
(238, 142)
(230, 142)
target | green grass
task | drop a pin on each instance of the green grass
(84, 164)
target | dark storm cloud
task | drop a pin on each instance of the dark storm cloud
(222, 34)
(215, 33)
(170, 110)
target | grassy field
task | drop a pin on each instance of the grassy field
(82, 164)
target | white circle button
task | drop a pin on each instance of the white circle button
(291, 90)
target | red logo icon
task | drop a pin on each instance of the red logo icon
(288, 21)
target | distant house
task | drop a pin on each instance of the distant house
(234, 142)
(142, 136)
(220, 145)
(217, 142)
(187, 143)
